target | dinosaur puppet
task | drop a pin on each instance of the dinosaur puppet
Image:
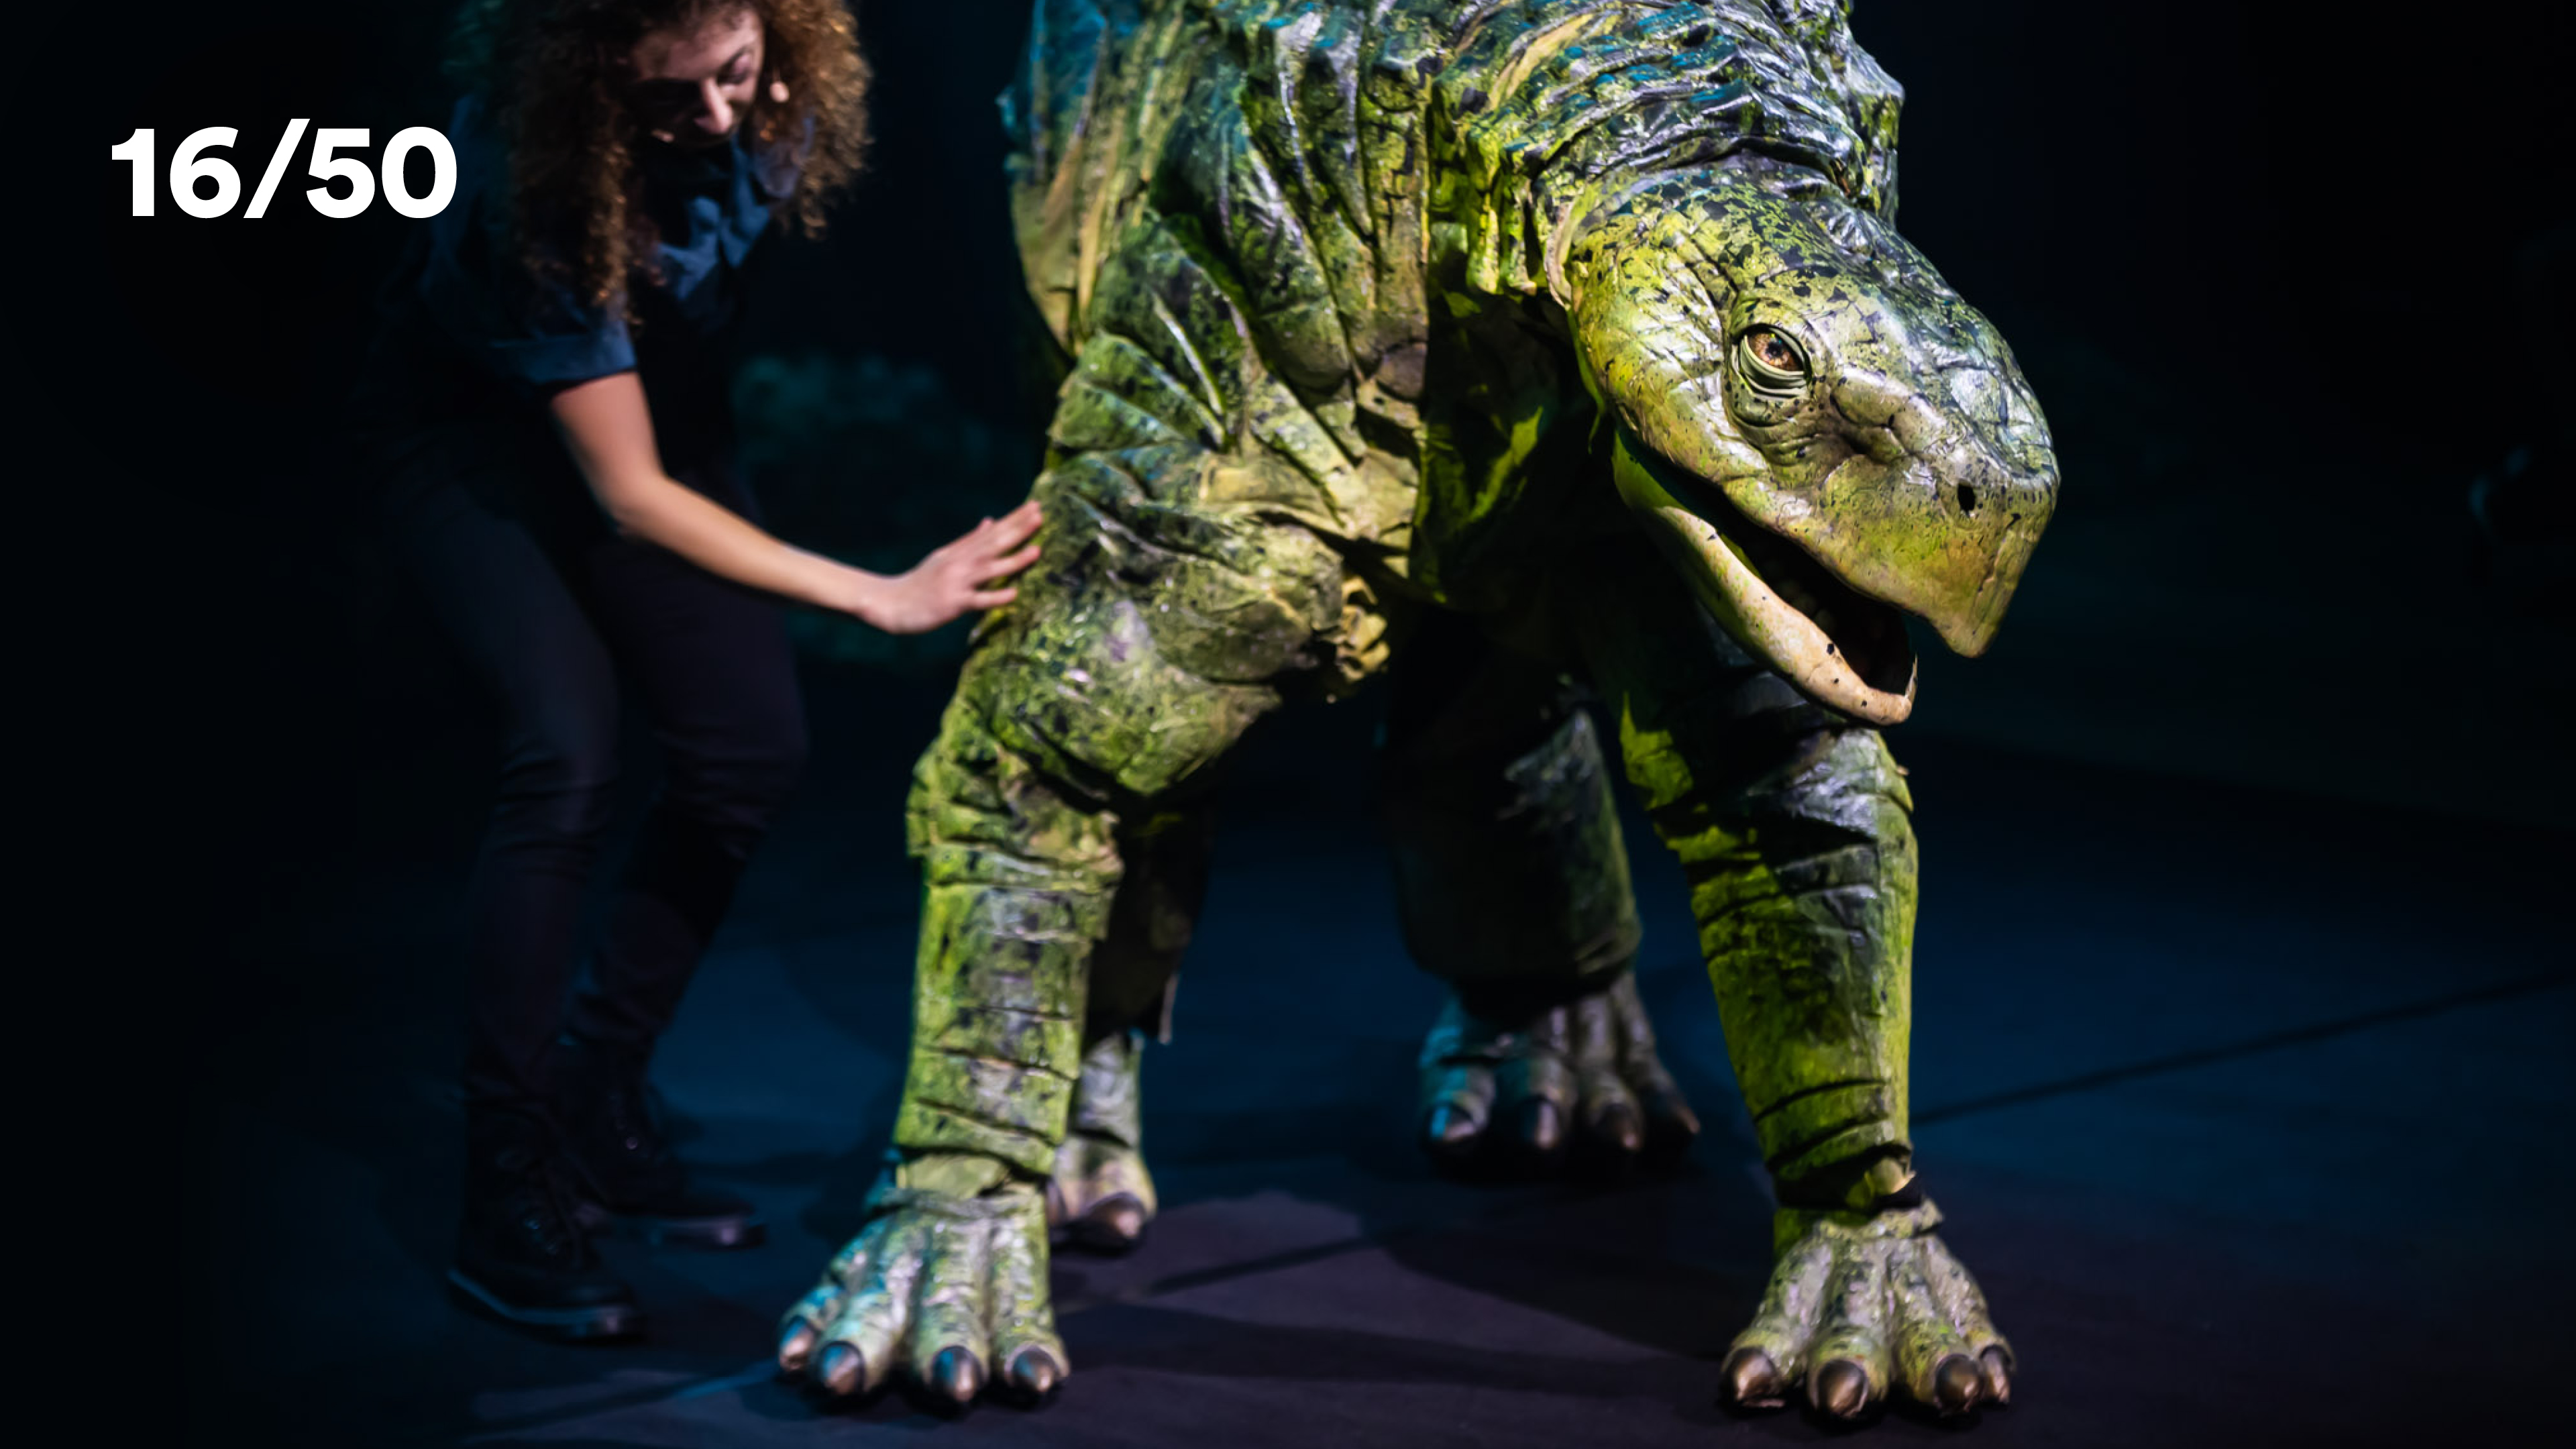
(1577, 325)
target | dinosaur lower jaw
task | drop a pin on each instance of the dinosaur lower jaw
(1842, 648)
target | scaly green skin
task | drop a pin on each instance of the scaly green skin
(1384, 310)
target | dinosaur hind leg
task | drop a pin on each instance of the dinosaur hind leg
(1512, 884)
(1101, 1196)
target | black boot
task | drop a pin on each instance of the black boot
(520, 1253)
(630, 1177)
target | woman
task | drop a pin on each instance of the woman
(546, 401)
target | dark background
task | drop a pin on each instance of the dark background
(2268, 267)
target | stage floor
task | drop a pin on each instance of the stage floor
(2247, 1110)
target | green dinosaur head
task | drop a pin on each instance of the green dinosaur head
(1812, 424)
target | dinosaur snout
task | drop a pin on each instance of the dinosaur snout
(1960, 511)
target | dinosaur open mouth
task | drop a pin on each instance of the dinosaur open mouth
(1868, 633)
(1835, 643)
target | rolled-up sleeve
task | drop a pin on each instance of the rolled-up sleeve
(544, 361)
(533, 335)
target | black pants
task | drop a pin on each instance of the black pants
(561, 618)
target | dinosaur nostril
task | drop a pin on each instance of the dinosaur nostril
(1967, 499)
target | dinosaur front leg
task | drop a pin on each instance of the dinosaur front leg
(1804, 884)
(947, 1280)
(1091, 712)
(1512, 883)
(1793, 826)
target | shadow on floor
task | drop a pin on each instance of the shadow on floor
(2200, 1074)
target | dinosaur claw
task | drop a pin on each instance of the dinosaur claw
(1450, 1132)
(796, 1345)
(1671, 1126)
(956, 1375)
(1619, 1128)
(1118, 1223)
(1033, 1372)
(1753, 1380)
(1842, 1389)
(1998, 1379)
(1956, 1383)
(841, 1368)
(1542, 1127)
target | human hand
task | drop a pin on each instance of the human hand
(957, 576)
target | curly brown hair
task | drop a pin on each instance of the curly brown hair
(555, 77)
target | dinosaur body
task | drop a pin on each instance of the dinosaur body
(1579, 324)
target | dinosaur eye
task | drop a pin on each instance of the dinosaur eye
(1772, 362)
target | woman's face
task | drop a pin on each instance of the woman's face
(693, 84)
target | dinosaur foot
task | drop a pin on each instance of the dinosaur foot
(948, 1293)
(1539, 1090)
(1101, 1197)
(1862, 1307)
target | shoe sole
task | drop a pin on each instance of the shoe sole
(710, 1233)
(603, 1322)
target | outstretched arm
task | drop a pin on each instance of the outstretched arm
(607, 427)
